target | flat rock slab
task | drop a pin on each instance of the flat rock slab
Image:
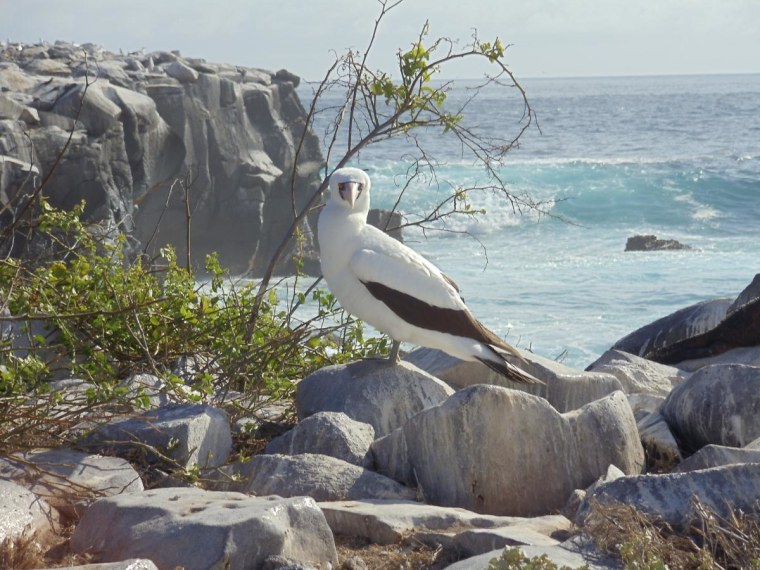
(718, 455)
(22, 513)
(639, 375)
(370, 391)
(388, 522)
(201, 530)
(573, 553)
(133, 564)
(67, 478)
(671, 496)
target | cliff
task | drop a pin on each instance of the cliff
(158, 136)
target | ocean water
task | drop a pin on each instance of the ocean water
(678, 157)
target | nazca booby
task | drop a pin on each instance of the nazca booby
(395, 289)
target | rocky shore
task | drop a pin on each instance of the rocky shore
(159, 138)
(432, 451)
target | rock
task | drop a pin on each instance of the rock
(131, 564)
(67, 479)
(638, 374)
(24, 514)
(148, 389)
(750, 293)
(660, 445)
(390, 522)
(190, 434)
(740, 328)
(370, 391)
(671, 497)
(320, 477)
(181, 72)
(205, 529)
(328, 433)
(718, 404)
(204, 123)
(682, 324)
(565, 388)
(578, 552)
(717, 456)
(746, 355)
(528, 458)
(652, 243)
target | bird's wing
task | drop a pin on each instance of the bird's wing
(396, 267)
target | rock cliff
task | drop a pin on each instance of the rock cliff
(156, 139)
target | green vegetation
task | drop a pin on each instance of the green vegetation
(89, 312)
(514, 559)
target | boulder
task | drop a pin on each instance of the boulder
(718, 404)
(717, 456)
(652, 243)
(132, 564)
(68, 479)
(204, 529)
(498, 451)
(188, 434)
(370, 391)
(750, 293)
(578, 552)
(328, 433)
(682, 324)
(144, 121)
(390, 522)
(638, 374)
(744, 355)
(671, 496)
(320, 477)
(565, 388)
(24, 514)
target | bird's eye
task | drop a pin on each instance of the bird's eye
(341, 186)
(361, 187)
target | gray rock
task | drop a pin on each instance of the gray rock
(652, 243)
(718, 455)
(190, 434)
(24, 514)
(750, 293)
(638, 374)
(370, 391)
(718, 404)
(565, 388)
(204, 529)
(67, 479)
(671, 497)
(321, 477)
(132, 564)
(328, 433)
(389, 522)
(499, 451)
(181, 72)
(578, 552)
(682, 324)
(148, 389)
(749, 355)
(206, 122)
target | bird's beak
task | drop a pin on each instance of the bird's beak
(351, 192)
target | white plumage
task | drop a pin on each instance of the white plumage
(390, 286)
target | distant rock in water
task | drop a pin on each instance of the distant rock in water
(228, 133)
(652, 243)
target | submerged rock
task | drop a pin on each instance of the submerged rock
(652, 243)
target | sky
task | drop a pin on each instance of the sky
(547, 38)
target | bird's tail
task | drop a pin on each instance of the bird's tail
(500, 364)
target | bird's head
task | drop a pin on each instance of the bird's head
(349, 188)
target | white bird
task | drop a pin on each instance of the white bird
(392, 287)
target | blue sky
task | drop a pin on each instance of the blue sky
(549, 38)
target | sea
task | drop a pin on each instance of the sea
(606, 158)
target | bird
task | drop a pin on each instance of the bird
(387, 284)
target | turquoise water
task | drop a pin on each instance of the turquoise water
(678, 157)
